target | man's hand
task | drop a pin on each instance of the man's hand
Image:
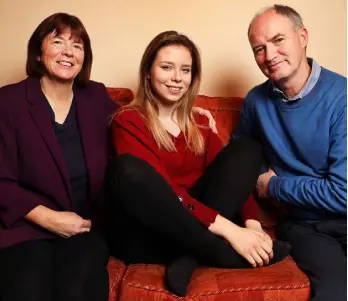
(263, 183)
(206, 113)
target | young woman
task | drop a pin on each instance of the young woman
(175, 190)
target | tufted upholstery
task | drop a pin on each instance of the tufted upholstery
(280, 282)
(145, 283)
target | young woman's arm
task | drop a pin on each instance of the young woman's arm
(130, 135)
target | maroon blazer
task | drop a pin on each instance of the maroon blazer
(32, 167)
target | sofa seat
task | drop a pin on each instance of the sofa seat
(281, 281)
(116, 269)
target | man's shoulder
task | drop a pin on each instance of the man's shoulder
(335, 87)
(259, 92)
(333, 77)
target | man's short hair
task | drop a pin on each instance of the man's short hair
(283, 10)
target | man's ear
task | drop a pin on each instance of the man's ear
(303, 36)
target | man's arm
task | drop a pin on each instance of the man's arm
(245, 126)
(328, 193)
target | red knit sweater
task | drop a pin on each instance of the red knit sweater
(182, 168)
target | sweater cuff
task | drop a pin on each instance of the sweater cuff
(200, 211)
(204, 214)
(274, 186)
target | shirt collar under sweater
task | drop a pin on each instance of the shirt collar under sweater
(311, 82)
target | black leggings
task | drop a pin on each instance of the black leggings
(71, 269)
(147, 223)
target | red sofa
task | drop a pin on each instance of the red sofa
(280, 282)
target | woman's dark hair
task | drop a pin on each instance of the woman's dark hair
(57, 24)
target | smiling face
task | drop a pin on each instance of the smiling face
(171, 73)
(62, 56)
(279, 47)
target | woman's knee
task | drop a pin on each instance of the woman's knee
(25, 272)
(81, 263)
(85, 249)
(32, 288)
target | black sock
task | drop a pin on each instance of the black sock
(178, 274)
(281, 249)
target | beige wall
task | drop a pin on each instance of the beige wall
(121, 29)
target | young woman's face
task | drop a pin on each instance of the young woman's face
(62, 56)
(171, 74)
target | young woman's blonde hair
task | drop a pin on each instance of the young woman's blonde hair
(145, 100)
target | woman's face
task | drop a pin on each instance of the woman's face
(62, 56)
(171, 73)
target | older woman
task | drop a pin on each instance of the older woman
(53, 154)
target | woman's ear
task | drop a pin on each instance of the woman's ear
(38, 58)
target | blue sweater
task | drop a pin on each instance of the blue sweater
(305, 143)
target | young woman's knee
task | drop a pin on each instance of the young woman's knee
(123, 169)
(129, 167)
(246, 149)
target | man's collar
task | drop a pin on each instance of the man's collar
(311, 81)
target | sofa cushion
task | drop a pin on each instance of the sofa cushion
(281, 281)
(116, 269)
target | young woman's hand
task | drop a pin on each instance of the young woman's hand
(62, 223)
(248, 243)
(206, 113)
(255, 225)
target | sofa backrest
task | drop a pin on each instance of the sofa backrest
(225, 110)
(121, 96)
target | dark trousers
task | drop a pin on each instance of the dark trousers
(319, 249)
(71, 269)
(148, 224)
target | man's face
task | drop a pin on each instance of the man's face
(279, 48)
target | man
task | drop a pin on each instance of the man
(299, 117)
